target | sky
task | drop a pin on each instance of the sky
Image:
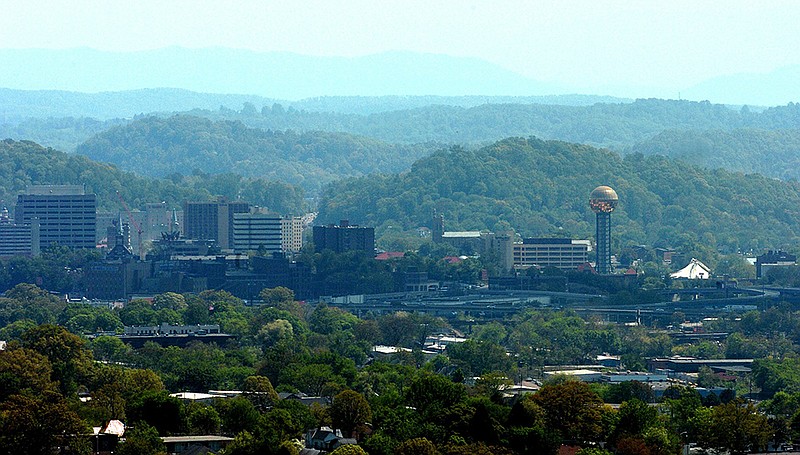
(592, 44)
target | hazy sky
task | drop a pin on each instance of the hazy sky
(667, 43)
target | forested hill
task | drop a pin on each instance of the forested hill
(541, 188)
(17, 105)
(773, 153)
(157, 146)
(27, 163)
(606, 124)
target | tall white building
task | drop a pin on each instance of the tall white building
(292, 234)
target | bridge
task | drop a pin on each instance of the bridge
(485, 304)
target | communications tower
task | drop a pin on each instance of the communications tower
(603, 201)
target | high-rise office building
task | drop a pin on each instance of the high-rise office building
(65, 213)
(257, 232)
(292, 234)
(212, 220)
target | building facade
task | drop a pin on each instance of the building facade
(564, 254)
(292, 234)
(66, 215)
(773, 259)
(257, 232)
(212, 220)
(18, 240)
(344, 237)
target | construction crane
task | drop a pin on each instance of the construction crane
(132, 223)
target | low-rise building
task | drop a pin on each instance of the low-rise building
(584, 375)
(326, 438)
(693, 365)
(344, 237)
(773, 259)
(177, 445)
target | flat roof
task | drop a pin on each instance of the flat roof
(574, 372)
(201, 438)
(704, 361)
(459, 234)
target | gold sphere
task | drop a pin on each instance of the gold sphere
(603, 199)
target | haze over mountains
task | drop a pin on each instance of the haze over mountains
(290, 76)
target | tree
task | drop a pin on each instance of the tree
(572, 409)
(628, 390)
(635, 416)
(416, 446)
(24, 371)
(281, 298)
(139, 312)
(238, 415)
(66, 352)
(202, 419)
(350, 411)
(141, 439)
(431, 394)
(736, 427)
(479, 357)
(110, 348)
(276, 296)
(35, 424)
(349, 449)
(259, 390)
(275, 332)
(170, 301)
(158, 409)
(243, 444)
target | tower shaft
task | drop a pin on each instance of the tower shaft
(603, 236)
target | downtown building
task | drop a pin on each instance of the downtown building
(561, 253)
(261, 232)
(212, 221)
(17, 240)
(65, 215)
(344, 237)
(292, 229)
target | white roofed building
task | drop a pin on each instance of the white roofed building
(695, 270)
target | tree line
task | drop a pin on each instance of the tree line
(28, 163)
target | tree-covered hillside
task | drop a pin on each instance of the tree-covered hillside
(157, 146)
(541, 188)
(17, 105)
(62, 133)
(27, 163)
(773, 153)
(607, 124)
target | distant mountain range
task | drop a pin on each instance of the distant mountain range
(765, 89)
(280, 75)
(274, 74)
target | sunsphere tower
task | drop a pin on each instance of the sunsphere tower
(603, 201)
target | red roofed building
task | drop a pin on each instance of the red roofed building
(386, 255)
